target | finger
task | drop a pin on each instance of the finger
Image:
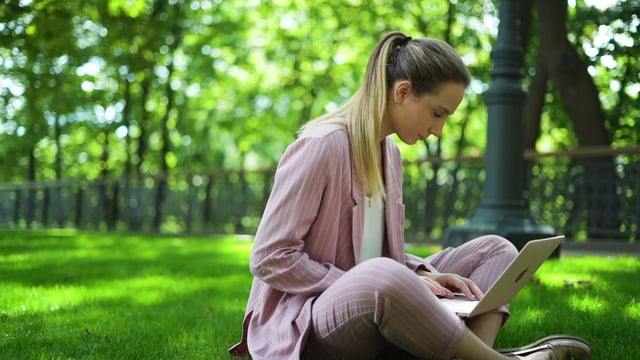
(466, 287)
(473, 292)
(466, 290)
(434, 287)
(437, 289)
(476, 290)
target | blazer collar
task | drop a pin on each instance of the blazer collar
(392, 175)
(392, 180)
(393, 187)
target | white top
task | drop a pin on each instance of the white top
(373, 233)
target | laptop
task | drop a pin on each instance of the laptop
(512, 280)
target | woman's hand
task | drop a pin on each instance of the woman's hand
(445, 285)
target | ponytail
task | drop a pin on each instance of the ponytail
(426, 63)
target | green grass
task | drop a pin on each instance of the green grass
(604, 309)
(69, 295)
(606, 312)
(66, 295)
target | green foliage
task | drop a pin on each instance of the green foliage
(244, 75)
(609, 38)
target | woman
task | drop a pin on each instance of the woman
(331, 278)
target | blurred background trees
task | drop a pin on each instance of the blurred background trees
(97, 89)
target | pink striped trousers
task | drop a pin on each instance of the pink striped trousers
(381, 305)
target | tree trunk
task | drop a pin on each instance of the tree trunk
(207, 213)
(162, 189)
(165, 148)
(136, 183)
(104, 199)
(569, 74)
(57, 194)
(534, 104)
(31, 179)
(144, 123)
(126, 122)
(559, 61)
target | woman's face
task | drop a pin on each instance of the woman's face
(415, 118)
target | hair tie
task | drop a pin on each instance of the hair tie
(404, 41)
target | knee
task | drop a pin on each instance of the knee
(500, 245)
(384, 265)
(387, 275)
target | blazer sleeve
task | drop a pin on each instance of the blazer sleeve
(416, 263)
(278, 256)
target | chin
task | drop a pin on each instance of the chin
(410, 141)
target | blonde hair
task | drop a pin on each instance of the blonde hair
(426, 63)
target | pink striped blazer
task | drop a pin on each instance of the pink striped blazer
(310, 234)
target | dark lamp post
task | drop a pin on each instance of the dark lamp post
(504, 210)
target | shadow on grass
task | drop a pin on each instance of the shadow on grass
(90, 296)
(189, 326)
(603, 310)
(68, 260)
(109, 297)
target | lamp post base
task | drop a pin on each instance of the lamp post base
(516, 225)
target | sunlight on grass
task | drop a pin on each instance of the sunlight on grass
(633, 310)
(595, 282)
(592, 304)
(69, 295)
(533, 314)
(39, 298)
(110, 296)
(591, 297)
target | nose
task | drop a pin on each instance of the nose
(436, 130)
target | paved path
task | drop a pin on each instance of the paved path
(572, 248)
(601, 248)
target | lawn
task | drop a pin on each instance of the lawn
(76, 295)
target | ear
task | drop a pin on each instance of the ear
(401, 90)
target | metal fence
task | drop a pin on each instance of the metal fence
(586, 194)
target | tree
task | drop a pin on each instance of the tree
(558, 62)
(104, 90)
